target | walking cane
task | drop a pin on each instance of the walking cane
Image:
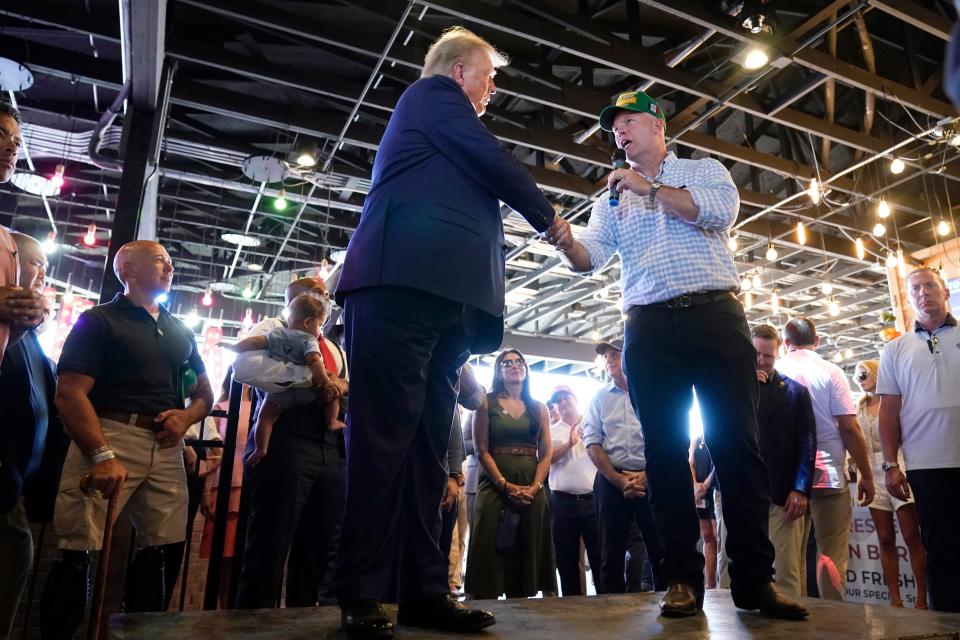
(94, 622)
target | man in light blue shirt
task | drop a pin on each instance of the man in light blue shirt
(614, 441)
(685, 330)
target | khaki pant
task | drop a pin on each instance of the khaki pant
(458, 544)
(790, 546)
(155, 493)
(830, 514)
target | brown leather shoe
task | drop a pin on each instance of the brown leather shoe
(770, 602)
(681, 600)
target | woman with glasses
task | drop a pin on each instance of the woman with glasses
(884, 505)
(510, 545)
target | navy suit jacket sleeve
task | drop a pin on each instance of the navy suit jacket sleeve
(450, 123)
(806, 445)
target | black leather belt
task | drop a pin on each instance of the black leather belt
(572, 496)
(132, 419)
(688, 300)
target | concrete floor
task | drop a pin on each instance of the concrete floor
(583, 618)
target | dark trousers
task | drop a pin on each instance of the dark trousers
(574, 517)
(617, 513)
(405, 349)
(448, 520)
(295, 493)
(667, 354)
(935, 492)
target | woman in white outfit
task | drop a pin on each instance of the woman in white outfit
(884, 505)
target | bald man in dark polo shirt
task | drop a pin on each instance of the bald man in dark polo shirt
(120, 398)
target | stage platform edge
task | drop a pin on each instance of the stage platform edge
(608, 617)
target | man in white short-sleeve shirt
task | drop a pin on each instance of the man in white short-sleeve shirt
(919, 387)
(837, 433)
(572, 506)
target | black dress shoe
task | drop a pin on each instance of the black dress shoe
(366, 619)
(768, 601)
(444, 613)
(681, 600)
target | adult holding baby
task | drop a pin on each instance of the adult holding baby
(296, 489)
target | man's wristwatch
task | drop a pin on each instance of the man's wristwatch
(886, 466)
(654, 188)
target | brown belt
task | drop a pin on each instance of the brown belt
(514, 451)
(133, 419)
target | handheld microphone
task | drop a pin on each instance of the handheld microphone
(619, 160)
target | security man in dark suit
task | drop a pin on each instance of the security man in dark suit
(422, 288)
(788, 445)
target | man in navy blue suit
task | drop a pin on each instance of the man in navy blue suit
(422, 288)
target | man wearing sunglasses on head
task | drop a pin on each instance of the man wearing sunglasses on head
(919, 387)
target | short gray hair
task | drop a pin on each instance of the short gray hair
(455, 45)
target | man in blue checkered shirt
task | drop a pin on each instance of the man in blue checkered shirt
(685, 330)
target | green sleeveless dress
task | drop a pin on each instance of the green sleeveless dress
(530, 568)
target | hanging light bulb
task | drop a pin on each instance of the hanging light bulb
(732, 244)
(848, 353)
(883, 208)
(826, 288)
(943, 227)
(897, 166)
(595, 335)
(901, 263)
(285, 313)
(68, 295)
(755, 59)
(192, 319)
(891, 260)
(775, 301)
(248, 319)
(833, 308)
(955, 140)
(90, 237)
(324, 269)
(247, 292)
(757, 281)
(57, 178)
(207, 299)
(860, 249)
(746, 284)
(307, 155)
(879, 229)
(837, 358)
(814, 191)
(50, 245)
(162, 298)
(771, 253)
(280, 203)
(801, 233)
(748, 301)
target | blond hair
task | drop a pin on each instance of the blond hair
(873, 368)
(454, 45)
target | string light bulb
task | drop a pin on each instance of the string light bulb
(595, 335)
(50, 245)
(748, 301)
(879, 229)
(771, 254)
(207, 299)
(757, 281)
(897, 166)
(192, 319)
(826, 288)
(775, 301)
(755, 59)
(248, 319)
(280, 203)
(732, 244)
(943, 227)
(57, 178)
(324, 269)
(837, 358)
(90, 237)
(860, 249)
(891, 260)
(247, 292)
(746, 284)
(814, 191)
(801, 233)
(833, 308)
(901, 263)
(883, 208)
(848, 353)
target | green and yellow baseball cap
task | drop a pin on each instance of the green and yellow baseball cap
(631, 101)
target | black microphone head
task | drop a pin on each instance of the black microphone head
(619, 159)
